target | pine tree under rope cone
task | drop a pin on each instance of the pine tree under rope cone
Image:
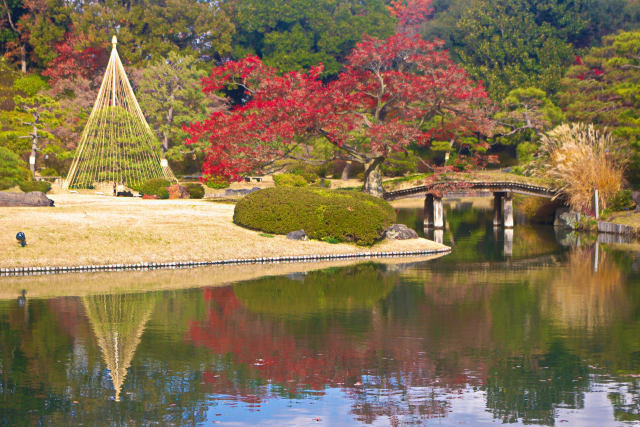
(117, 144)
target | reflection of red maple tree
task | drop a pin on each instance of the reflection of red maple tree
(387, 358)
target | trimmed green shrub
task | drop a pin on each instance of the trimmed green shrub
(13, 169)
(155, 187)
(289, 180)
(323, 183)
(29, 186)
(343, 216)
(196, 191)
(163, 193)
(308, 172)
(217, 182)
(621, 201)
(49, 172)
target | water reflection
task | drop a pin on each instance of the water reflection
(545, 335)
(118, 322)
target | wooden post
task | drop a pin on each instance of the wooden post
(438, 236)
(428, 211)
(508, 210)
(497, 209)
(596, 203)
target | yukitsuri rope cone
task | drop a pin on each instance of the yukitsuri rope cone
(117, 144)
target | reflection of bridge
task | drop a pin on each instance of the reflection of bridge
(502, 212)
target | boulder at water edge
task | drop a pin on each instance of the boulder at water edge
(400, 232)
(297, 235)
(33, 198)
(566, 218)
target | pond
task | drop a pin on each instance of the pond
(519, 330)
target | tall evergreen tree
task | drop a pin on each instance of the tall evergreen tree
(148, 30)
(170, 95)
(297, 34)
(602, 87)
(516, 43)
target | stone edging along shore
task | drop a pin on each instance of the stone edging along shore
(28, 271)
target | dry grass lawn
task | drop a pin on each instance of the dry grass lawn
(631, 218)
(91, 229)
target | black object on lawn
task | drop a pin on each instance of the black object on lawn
(21, 239)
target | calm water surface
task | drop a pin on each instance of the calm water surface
(531, 332)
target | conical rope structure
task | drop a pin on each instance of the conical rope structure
(117, 144)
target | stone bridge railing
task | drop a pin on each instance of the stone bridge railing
(474, 186)
(502, 191)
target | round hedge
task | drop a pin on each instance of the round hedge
(28, 186)
(344, 216)
(155, 187)
(196, 190)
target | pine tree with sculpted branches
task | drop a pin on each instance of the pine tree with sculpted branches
(581, 158)
(393, 93)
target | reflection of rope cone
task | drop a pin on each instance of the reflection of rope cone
(118, 322)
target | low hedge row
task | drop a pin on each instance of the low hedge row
(322, 214)
(28, 186)
(196, 190)
(289, 180)
(154, 187)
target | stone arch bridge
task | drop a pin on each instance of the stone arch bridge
(502, 197)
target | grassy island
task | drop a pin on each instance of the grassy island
(91, 229)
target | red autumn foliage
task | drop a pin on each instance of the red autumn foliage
(592, 73)
(411, 12)
(72, 63)
(392, 93)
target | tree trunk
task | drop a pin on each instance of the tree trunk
(23, 57)
(373, 177)
(165, 142)
(34, 147)
(346, 170)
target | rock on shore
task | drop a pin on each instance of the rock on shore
(33, 198)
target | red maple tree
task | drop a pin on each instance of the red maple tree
(392, 93)
(411, 13)
(73, 63)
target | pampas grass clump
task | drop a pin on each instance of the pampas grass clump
(580, 158)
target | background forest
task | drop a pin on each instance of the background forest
(542, 63)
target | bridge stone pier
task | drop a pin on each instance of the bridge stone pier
(503, 209)
(433, 212)
(502, 203)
